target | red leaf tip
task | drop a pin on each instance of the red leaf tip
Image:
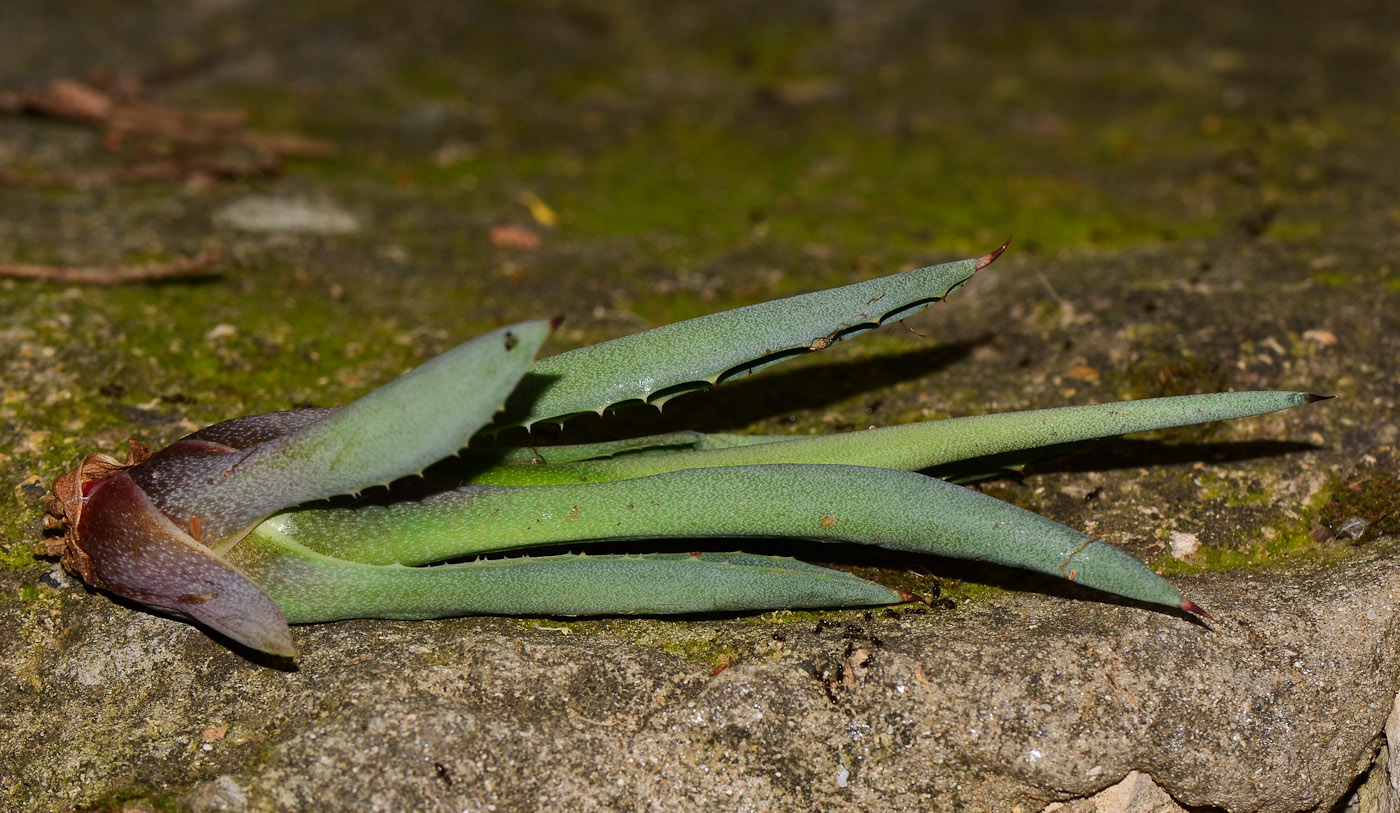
(1192, 607)
(1312, 399)
(991, 258)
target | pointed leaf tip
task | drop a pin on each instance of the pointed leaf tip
(991, 258)
(1312, 399)
(556, 321)
(275, 642)
(908, 596)
(1195, 609)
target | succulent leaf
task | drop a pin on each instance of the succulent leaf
(191, 530)
(658, 364)
(666, 443)
(312, 587)
(910, 447)
(368, 443)
(867, 506)
(138, 553)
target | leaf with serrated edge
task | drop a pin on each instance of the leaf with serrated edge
(398, 429)
(199, 502)
(656, 365)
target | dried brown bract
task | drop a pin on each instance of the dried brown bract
(64, 506)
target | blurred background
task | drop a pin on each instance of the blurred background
(212, 208)
(382, 180)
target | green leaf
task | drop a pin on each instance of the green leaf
(398, 429)
(869, 506)
(646, 444)
(312, 587)
(917, 445)
(659, 364)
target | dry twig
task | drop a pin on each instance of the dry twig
(128, 122)
(190, 266)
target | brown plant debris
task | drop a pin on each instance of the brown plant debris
(156, 142)
(189, 266)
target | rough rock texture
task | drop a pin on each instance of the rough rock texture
(1200, 202)
(1137, 793)
(1015, 701)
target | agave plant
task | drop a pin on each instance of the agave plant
(230, 526)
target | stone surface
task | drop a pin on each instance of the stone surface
(1015, 701)
(1380, 793)
(1200, 202)
(1137, 793)
(1376, 794)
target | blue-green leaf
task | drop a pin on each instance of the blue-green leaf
(312, 587)
(869, 506)
(909, 446)
(656, 365)
(396, 430)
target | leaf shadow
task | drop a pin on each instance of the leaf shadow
(1116, 454)
(256, 656)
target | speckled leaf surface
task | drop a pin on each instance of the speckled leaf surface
(659, 364)
(866, 506)
(909, 446)
(396, 430)
(310, 587)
